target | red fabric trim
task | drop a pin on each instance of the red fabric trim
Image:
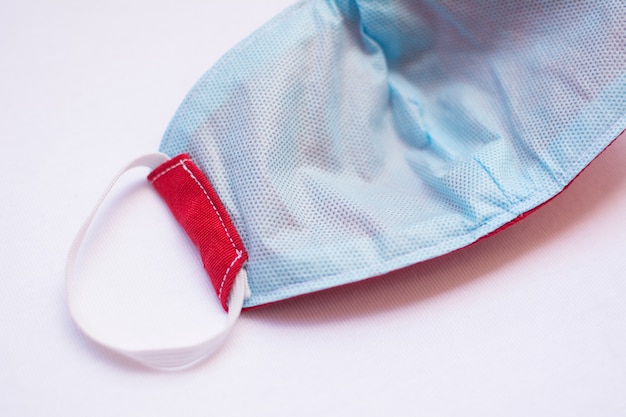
(197, 208)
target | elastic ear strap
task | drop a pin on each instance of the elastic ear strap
(157, 358)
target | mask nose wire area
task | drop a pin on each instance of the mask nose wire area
(170, 358)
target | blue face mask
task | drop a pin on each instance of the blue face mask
(346, 139)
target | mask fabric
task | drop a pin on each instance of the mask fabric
(347, 139)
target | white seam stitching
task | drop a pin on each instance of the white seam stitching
(210, 201)
(238, 252)
(219, 294)
(179, 163)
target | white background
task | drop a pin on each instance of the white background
(530, 322)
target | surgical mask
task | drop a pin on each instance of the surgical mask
(347, 139)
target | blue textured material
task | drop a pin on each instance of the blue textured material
(351, 138)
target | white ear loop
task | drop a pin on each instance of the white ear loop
(158, 358)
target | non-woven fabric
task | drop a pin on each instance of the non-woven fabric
(347, 139)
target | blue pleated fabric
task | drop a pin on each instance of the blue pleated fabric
(351, 138)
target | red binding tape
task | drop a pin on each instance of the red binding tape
(197, 208)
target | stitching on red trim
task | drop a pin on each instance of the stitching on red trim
(165, 171)
(219, 216)
(237, 251)
(239, 254)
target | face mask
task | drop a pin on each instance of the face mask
(347, 139)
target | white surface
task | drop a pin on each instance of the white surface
(529, 322)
